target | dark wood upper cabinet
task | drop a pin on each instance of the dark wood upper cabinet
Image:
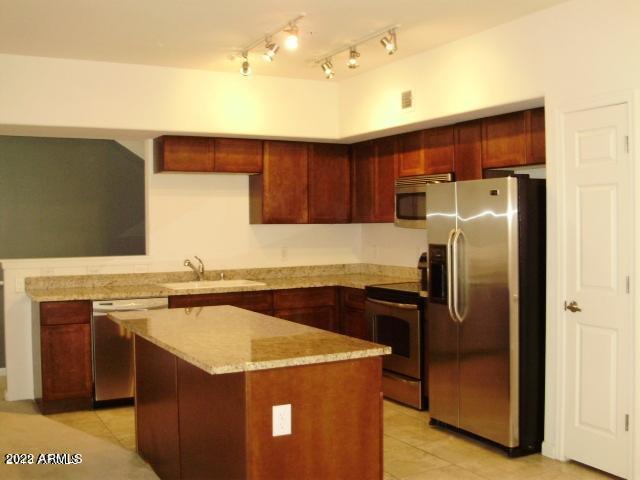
(329, 183)
(508, 140)
(373, 173)
(411, 158)
(183, 154)
(538, 153)
(438, 150)
(385, 168)
(362, 182)
(237, 155)
(280, 193)
(468, 150)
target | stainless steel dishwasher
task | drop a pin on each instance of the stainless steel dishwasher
(112, 347)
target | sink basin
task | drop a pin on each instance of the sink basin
(211, 284)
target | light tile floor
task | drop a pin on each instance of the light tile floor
(412, 449)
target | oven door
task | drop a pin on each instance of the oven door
(397, 325)
(411, 206)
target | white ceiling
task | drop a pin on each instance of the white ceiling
(203, 34)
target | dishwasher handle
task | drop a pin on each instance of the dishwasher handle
(138, 305)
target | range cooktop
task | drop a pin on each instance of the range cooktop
(405, 288)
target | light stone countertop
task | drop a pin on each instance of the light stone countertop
(228, 339)
(149, 290)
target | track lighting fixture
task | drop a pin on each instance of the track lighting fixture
(291, 42)
(245, 70)
(327, 68)
(390, 43)
(270, 50)
(353, 58)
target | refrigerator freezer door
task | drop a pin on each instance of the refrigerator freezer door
(442, 334)
(487, 261)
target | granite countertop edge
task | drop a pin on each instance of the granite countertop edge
(154, 290)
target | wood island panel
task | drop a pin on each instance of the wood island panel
(212, 411)
(336, 427)
(157, 433)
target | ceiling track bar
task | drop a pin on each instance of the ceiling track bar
(261, 40)
(355, 43)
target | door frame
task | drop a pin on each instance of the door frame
(555, 375)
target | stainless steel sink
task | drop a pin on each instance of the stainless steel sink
(197, 284)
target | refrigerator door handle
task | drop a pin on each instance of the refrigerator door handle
(456, 272)
(450, 275)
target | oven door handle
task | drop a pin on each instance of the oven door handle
(404, 306)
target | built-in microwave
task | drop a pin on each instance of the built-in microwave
(411, 199)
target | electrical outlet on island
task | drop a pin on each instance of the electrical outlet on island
(281, 420)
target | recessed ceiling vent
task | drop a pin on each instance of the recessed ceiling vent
(406, 100)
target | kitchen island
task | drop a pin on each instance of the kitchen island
(207, 382)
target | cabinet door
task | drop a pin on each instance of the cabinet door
(438, 150)
(237, 155)
(362, 182)
(318, 317)
(468, 151)
(354, 323)
(184, 154)
(65, 312)
(537, 153)
(504, 142)
(411, 159)
(261, 302)
(66, 361)
(280, 194)
(329, 184)
(384, 179)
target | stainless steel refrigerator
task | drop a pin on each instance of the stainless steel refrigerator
(485, 312)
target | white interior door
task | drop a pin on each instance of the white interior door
(598, 342)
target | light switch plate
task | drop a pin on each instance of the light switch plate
(281, 420)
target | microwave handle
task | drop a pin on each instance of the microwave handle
(404, 306)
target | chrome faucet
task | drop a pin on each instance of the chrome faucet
(199, 271)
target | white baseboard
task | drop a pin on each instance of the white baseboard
(550, 450)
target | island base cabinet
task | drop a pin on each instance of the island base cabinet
(220, 426)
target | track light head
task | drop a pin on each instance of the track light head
(270, 51)
(291, 42)
(353, 58)
(245, 69)
(390, 42)
(327, 68)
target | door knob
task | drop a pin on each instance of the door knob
(572, 306)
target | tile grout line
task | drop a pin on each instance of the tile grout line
(110, 431)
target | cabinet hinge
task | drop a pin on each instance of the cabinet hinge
(626, 422)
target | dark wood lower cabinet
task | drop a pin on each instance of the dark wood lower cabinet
(319, 317)
(63, 379)
(338, 309)
(353, 321)
(261, 302)
(199, 425)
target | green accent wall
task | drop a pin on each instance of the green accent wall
(67, 197)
